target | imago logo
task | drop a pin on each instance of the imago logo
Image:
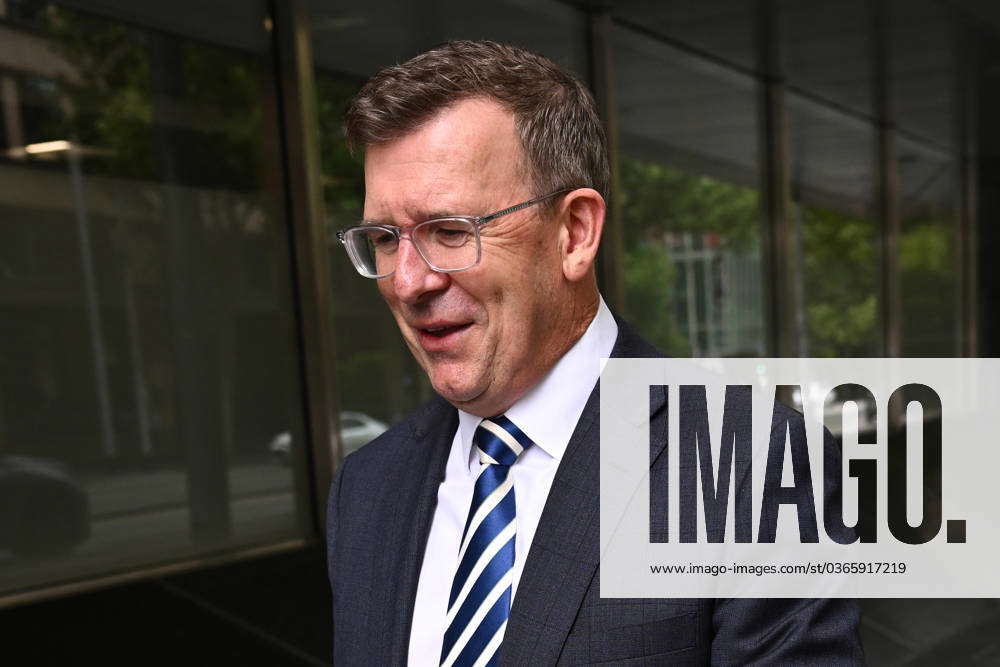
(787, 436)
(885, 468)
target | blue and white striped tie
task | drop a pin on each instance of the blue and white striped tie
(479, 603)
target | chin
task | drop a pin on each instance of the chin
(455, 391)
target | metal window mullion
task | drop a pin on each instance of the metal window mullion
(968, 174)
(310, 259)
(887, 196)
(780, 238)
(611, 258)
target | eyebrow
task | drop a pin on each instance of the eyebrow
(433, 215)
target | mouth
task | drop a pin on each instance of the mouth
(438, 336)
(442, 331)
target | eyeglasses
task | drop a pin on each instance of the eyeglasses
(448, 244)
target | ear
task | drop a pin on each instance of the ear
(582, 222)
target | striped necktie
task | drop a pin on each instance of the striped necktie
(479, 603)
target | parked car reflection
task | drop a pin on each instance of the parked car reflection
(356, 429)
(44, 511)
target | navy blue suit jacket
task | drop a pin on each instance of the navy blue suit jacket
(381, 504)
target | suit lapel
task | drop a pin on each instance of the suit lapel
(410, 501)
(564, 554)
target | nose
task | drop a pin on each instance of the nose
(414, 279)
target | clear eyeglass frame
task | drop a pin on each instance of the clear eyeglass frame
(355, 238)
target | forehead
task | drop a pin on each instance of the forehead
(466, 155)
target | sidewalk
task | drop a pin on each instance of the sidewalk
(128, 493)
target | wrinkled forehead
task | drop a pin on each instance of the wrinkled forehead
(467, 155)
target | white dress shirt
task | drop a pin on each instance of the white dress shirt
(563, 392)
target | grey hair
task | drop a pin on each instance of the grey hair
(554, 113)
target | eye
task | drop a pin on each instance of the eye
(452, 234)
(382, 239)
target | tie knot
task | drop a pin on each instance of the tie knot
(499, 441)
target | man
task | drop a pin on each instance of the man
(468, 533)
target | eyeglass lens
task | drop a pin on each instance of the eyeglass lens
(446, 244)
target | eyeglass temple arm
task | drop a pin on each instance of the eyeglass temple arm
(517, 207)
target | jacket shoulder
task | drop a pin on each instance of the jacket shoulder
(631, 344)
(392, 447)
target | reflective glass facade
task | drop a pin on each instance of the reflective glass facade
(150, 390)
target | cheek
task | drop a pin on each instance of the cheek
(385, 291)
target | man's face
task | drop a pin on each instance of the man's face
(486, 335)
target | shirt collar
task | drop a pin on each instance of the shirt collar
(563, 391)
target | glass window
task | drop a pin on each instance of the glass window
(925, 79)
(358, 39)
(833, 187)
(827, 49)
(149, 405)
(722, 29)
(829, 55)
(928, 263)
(923, 37)
(688, 174)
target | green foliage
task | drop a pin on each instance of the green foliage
(650, 278)
(840, 269)
(110, 106)
(134, 90)
(925, 248)
(657, 199)
(223, 90)
(343, 176)
(658, 204)
(843, 329)
(929, 284)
